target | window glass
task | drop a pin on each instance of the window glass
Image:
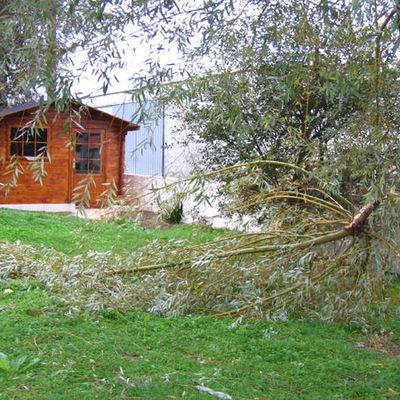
(16, 149)
(81, 151)
(94, 138)
(28, 142)
(28, 149)
(94, 166)
(81, 166)
(82, 137)
(88, 153)
(40, 148)
(94, 152)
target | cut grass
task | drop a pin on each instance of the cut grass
(72, 235)
(142, 356)
(137, 355)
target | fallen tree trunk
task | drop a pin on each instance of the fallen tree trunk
(354, 228)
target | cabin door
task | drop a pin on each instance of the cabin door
(87, 169)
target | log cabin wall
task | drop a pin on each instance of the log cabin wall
(61, 179)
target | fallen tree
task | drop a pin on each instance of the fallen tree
(317, 257)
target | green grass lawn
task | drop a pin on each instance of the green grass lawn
(137, 355)
(56, 355)
(72, 235)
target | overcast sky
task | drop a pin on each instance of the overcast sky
(134, 56)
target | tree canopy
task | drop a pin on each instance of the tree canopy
(311, 83)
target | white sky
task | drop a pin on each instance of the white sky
(135, 53)
(135, 59)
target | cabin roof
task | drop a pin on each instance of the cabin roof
(7, 111)
(4, 112)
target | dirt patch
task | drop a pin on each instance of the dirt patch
(381, 342)
(148, 219)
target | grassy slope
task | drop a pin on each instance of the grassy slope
(80, 356)
(72, 235)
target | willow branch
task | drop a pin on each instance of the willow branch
(314, 278)
(355, 227)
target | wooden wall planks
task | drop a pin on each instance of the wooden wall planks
(61, 177)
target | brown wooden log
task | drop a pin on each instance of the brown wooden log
(357, 224)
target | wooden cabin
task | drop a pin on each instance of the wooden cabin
(85, 144)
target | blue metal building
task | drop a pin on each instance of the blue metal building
(144, 149)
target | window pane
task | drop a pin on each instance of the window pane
(94, 166)
(81, 166)
(28, 142)
(82, 137)
(16, 149)
(16, 134)
(81, 151)
(94, 138)
(40, 148)
(20, 134)
(29, 135)
(41, 135)
(29, 149)
(87, 152)
(94, 152)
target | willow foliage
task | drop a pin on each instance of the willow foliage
(310, 85)
(318, 256)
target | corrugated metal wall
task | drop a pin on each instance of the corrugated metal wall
(143, 148)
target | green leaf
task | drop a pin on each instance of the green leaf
(4, 362)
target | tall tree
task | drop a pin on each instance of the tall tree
(296, 82)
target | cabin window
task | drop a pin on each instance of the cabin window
(28, 142)
(88, 153)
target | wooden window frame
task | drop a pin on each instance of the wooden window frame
(89, 144)
(32, 140)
